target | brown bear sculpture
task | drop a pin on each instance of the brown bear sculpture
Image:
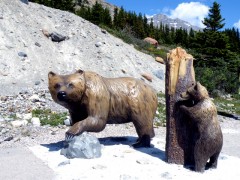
(207, 138)
(94, 101)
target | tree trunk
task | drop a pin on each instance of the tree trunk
(180, 76)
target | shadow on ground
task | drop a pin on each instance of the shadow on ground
(110, 141)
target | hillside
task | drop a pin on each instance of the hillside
(27, 55)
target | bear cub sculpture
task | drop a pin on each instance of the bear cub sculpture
(93, 101)
(208, 139)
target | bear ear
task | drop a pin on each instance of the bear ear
(197, 86)
(51, 74)
(80, 71)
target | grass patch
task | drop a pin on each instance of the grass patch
(160, 119)
(230, 105)
(47, 116)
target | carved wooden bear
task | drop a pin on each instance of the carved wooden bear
(93, 101)
(208, 139)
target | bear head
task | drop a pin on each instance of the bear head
(197, 92)
(66, 89)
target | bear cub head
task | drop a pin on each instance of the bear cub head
(66, 89)
(197, 92)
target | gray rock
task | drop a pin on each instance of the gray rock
(159, 74)
(37, 82)
(22, 54)
(37, 44)
(56, 37)
(83, 146)
(98, 44)
(24, 1)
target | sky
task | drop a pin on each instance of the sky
(190, 11)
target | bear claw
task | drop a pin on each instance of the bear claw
(69, 136)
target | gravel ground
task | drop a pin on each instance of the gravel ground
(30, 135)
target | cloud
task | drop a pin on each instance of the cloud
(192, 12)
(237, 24)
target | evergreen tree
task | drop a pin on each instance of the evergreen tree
(115, 18)
(214, 21)
(97, 13)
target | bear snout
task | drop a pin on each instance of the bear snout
(62, 96)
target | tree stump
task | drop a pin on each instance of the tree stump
(180, 76)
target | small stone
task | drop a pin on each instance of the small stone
(37, 44)
(143, 161)
(104, 31)
(37, 83)
(159, 74)
(24, 1)
(9, 138)
(64, 163)
(98, 44)
(56, 37)
(34, 98)
(147, 76)
(19, 123)
(19, 116)
(160, 60)
(67, 122)
(27, 116)
(100, 167)
(36, 121)
(22, 54)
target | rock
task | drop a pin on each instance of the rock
(37, 44)
(159, 74)
(103, 31)
(27, 116)
(45, 33)
(1, 118)
(19, 123)
(37, 82)
(67, 121)
(151, 41)
(9, 138)
(24, 1)
(98, 44)
(36, 121)
(22, 54)
(160, 60)
(34, 98)
(147, 76)
(64, 163)
(56, 37)
(83, 146)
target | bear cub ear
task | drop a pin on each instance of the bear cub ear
(79, 71)
(51, 74)
(197, 86)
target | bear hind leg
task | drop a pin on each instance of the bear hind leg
(145, 133)
(144, 141)
(213, 161)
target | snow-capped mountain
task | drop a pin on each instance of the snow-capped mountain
(176, 23)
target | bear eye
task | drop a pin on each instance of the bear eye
(71, 85)
(56, 86)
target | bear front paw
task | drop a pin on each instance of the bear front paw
(69, 137)
(73, 131)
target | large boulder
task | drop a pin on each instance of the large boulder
(151, 41)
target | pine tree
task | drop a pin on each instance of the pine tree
(214, 21)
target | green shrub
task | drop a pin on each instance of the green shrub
(47, 116)
(160, 119)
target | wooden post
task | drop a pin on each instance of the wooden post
(179, 76)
